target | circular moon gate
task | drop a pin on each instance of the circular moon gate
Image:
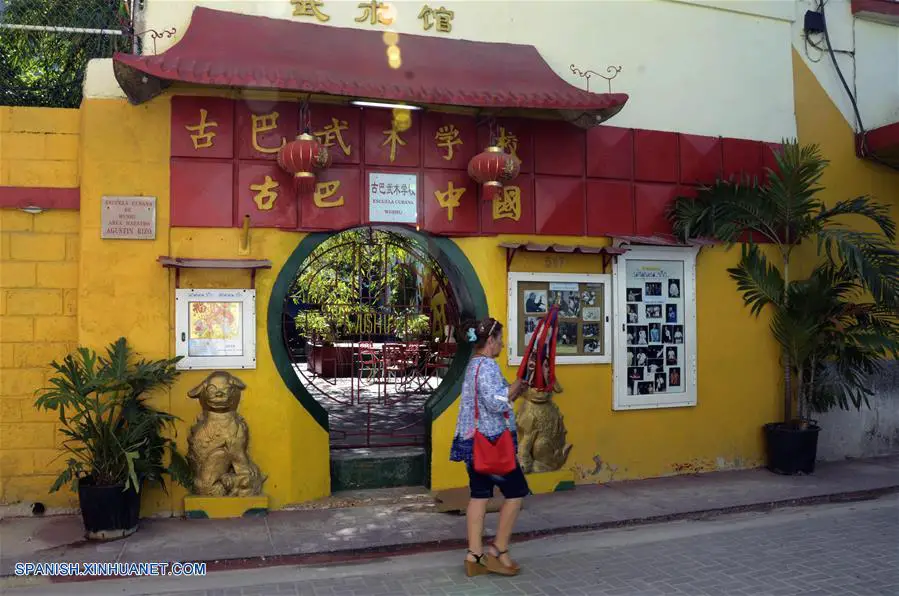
(370, 322)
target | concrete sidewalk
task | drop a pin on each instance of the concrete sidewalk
(321, 535)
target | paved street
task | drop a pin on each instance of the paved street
(827, 549)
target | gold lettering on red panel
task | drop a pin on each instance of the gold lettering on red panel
(508, 205)
(450, 199)
(447, 137)
(309, 8)
(266, 194)
(203, 138)
(265, 123)
(330, 135)
(323, 193)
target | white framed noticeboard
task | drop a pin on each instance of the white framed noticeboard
(655, 328)
(215, 329)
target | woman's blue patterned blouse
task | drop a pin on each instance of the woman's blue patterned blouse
(493, 403)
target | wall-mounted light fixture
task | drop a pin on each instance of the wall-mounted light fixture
(389, 106)
(32, 209)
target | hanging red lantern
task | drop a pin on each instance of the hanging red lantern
(492, 168)
(303, 157)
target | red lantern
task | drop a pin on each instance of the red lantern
(302, 158)
(492, 168)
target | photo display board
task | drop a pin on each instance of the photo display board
(656, 335)
(584, 322)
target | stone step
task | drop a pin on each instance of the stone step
(360, 469)
(403, 498)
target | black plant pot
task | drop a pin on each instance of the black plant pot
(791, 450)
(108, 512)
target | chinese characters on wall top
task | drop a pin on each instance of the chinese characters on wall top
(379, 13)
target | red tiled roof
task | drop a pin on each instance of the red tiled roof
(234, 50)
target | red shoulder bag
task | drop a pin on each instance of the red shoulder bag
(492, 457)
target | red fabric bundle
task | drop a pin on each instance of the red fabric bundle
(538, 363)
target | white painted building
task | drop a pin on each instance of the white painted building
(702, 67)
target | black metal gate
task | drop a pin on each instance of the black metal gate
(371, 335)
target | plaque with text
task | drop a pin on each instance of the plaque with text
(128, 218)
(393, 198)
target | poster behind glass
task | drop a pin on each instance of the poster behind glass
(655, 327)
(580, 315)
(215, 329)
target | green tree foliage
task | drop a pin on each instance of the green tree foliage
(359, 273)
(836, 326)
(47, 68)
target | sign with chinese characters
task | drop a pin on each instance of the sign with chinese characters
(128, 218)
(375, 12)
(393, 198)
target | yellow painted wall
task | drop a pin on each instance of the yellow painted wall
(122, 290)
(38, 295)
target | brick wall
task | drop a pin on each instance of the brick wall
(38, 296)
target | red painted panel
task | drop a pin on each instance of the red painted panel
(768, 159)
(35, 196)
(340, 130)
(651, 202)
(514, 213)
(450, 140)
(337, 203)
(560, 205)
(655, 156)
(202, 193)
(742, 158)
(450, 193)
(196, 135)
(610, 152)
(268, 206)
(275, 124)
(515, 136)
(559, 149)
(610, 208)
(700, 159)
(386, 144)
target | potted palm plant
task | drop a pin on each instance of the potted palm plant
(114, 438)
(835, 326)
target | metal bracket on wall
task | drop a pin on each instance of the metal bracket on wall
(178, 263)
(606, 252)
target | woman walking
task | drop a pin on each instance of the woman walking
(487, 395)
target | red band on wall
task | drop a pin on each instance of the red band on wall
(46, 198)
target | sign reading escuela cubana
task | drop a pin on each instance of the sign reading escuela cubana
(393, 198)
(128, 218)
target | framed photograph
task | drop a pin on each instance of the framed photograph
(661, 283)
(215, 329)
(585, 319)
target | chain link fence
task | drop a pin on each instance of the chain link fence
(45, 46)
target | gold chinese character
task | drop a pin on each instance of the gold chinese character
(508, 206)
(443, 16)
(309, 8)
(449, 200)
(324, 191)
(266, 195)
(372, 11)
(331, 134)
(447, 137)
(507, 141)
(203, 138)
(393, 137)
(265, 123)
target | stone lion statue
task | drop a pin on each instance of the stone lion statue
(217, 445)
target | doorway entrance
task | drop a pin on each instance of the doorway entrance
(370, 320)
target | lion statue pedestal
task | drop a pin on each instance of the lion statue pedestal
(226, 481)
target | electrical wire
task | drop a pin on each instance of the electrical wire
(863, 142)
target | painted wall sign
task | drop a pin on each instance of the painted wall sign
(393, 198)
(128, 218)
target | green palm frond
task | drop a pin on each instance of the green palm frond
(863, 206)
(866, 255)
(760, 281)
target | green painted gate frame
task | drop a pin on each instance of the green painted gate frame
(467, 290)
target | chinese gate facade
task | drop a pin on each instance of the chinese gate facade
(370, 325)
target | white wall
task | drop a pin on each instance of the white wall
(713, 68)
(872, 73)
